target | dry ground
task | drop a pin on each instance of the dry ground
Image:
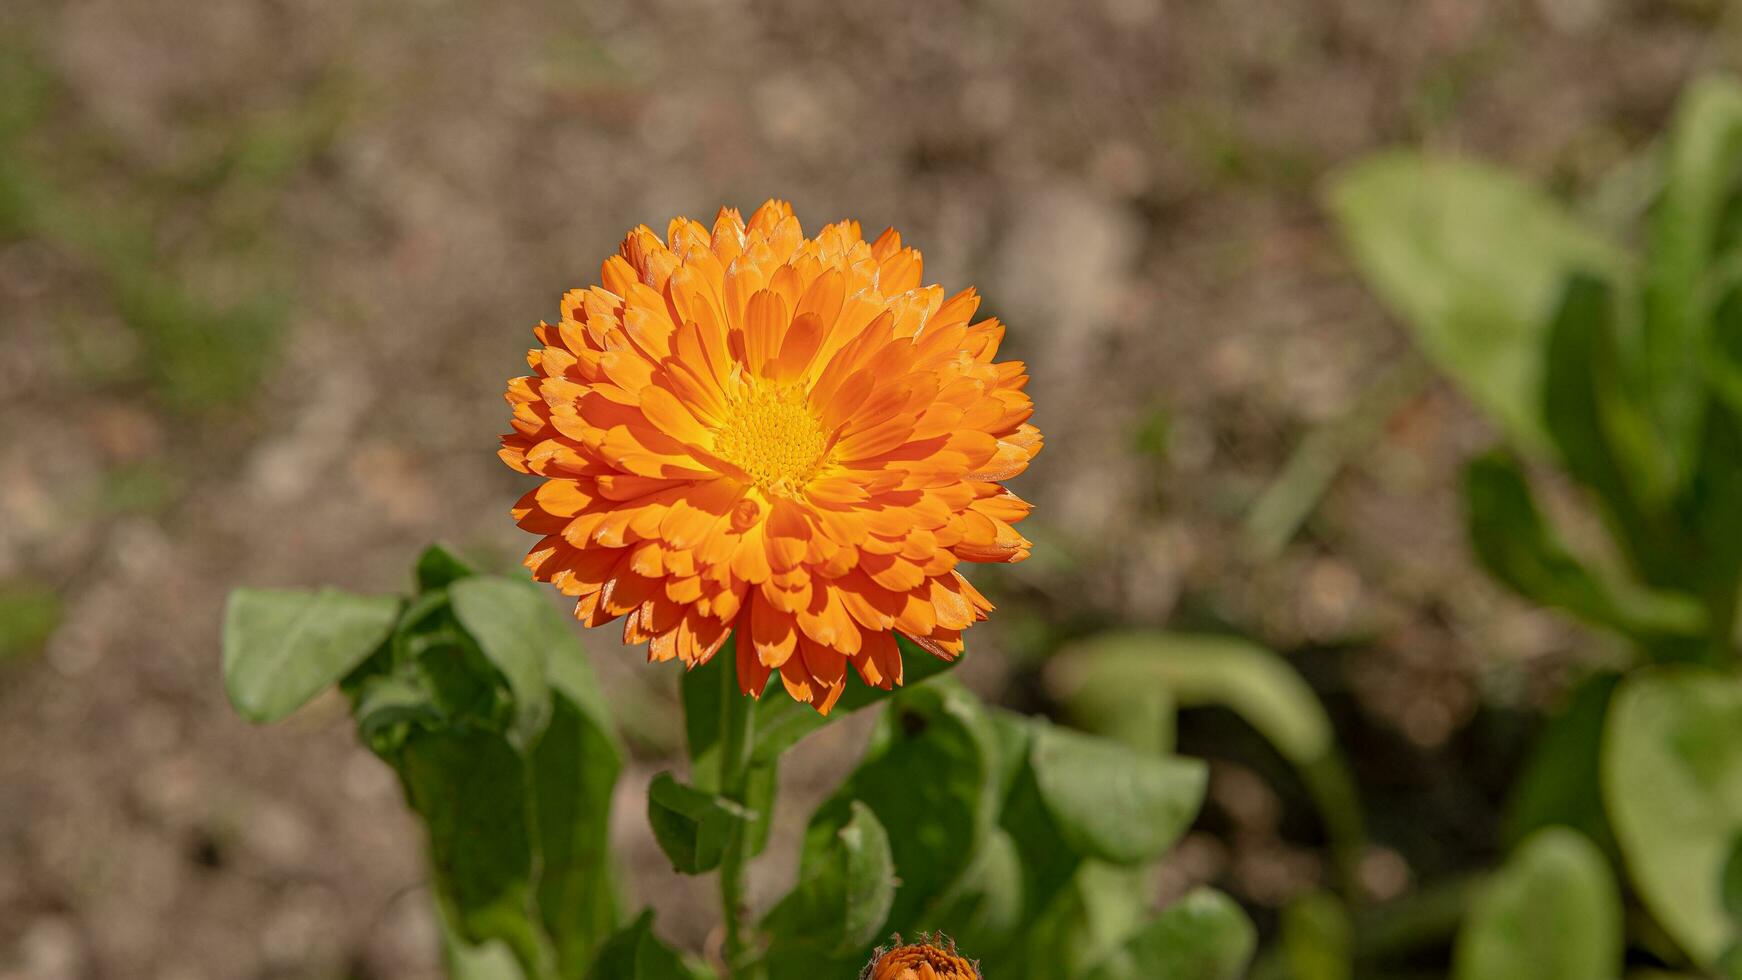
(264, 267)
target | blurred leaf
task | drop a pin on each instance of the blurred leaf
(574, 771)
(486, 961)
(519, 833)
(464, 684)
(29, 615)
(1703, 165)
(1712, 511)
(1099, 908)
(1672, 783)
(691, 825)
(1203, 936)
(1519, 548)
(1199, 670)
(1317, 938)
(1732, 882)
(388, 701)
(1048, 891)
(1112, 802)
(1111, 672)
(516, 629)
(1049, 908)
(1141, 716)
(846, 884)
(1472, 259)
(1724, 366)
(637, 954)
(281, 648)
(470, 789)
(1552, 913)
(1605, 440)
(928, 776)
(985, 907)
(1560, 782)
(439, 568)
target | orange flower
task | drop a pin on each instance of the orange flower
(932, 958)
(749, 429)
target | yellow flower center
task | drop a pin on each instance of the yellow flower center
(771, 434)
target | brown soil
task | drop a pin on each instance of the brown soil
(408, 187)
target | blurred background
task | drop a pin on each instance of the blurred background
(265, 268)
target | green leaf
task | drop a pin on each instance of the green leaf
(1086, 921)
(570, 675)
(517, 630)
(781, 722)
(1067, 910)
(1702, 169)
(1317, 941)
(706, 694)
(1672, 783)
(637, 954)
(985, 908)
(1561, 782)
(1112, 802)
(1552, 913)
(1732, 882)
(1196, 670)
(1048, 888)
(574, 771)
(281, 648)
(1517, 546)
(1472, 259)
(470, 789)
(1713, 513)
(929, 777)
(489, 961)
(1724, 366)
(386, 702)
(703, 693)
(989, 901)
(438, 568)
(691, 825)
(1203, 936)
(1603, 437)
(845, 888)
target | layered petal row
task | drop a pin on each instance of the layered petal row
(742, 429)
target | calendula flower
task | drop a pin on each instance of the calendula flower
(932, 958)
(745, 429)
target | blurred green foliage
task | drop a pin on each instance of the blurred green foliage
(1623, 372)
(198, 350)
(1034, 845)
(29, 614)
(476, 692)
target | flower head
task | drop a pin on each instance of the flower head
(932, 958)
(746, 429)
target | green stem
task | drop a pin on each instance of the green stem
(737, 726)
